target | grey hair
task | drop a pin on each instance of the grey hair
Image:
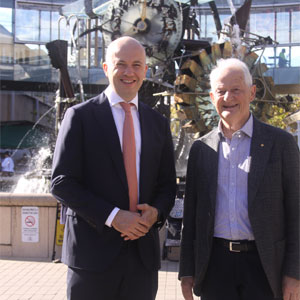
(234, 63)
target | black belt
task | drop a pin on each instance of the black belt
(236, 246)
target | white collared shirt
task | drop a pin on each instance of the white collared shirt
(119, 117)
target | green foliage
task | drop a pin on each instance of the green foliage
(275, 113)
(279, 114)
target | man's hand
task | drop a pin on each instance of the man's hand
(291, 288)
(130, 225)
(187, 284)
(149, 215)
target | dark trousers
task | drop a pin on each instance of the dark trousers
(235, 276)
(126, 279)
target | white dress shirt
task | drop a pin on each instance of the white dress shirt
(119, 117)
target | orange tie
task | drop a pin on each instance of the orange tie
(129, 156)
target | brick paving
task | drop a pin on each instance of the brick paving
(35, 280)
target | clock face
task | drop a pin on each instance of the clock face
(156, 24)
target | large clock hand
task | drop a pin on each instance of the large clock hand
(144, 8)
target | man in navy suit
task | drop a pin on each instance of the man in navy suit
(241, 212)
(113, 252)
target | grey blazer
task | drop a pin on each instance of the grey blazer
(273, 204)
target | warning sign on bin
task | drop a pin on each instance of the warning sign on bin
(59, 228)
(30, 224)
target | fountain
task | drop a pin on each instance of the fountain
(27, 198)
(37, 180)
(195, 115)
(29, 215)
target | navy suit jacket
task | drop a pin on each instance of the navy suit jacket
(273, 204)
(89, 178)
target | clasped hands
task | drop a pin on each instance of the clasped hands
(134, 225)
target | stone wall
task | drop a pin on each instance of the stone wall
(11, 226)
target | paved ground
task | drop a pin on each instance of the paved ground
(32, 280)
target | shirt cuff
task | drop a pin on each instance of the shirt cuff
(111, 216)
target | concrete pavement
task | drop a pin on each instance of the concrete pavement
(34, 280)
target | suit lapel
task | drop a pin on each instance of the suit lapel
(105, 121)
(213, 141)
(261, 145)
(145, 123)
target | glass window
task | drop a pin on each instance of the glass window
(295, 57)
(54, 25)
(34, 54)
(282, 27)
(6, 18)
(29, 54)
(268, 57)
(211, 31)
(282, 57)
(224, 18)
(19, 53)
(238, 2)
(27, 25)
(295, 26)
(202, 26)
(44, 57)
(262, 23)
(99, 48)
(6, 54)
(45, 26)
(36, 25)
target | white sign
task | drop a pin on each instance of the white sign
(30, 224)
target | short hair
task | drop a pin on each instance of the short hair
(114, 43)
(234, 63)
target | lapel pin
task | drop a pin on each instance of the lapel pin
(262, 145)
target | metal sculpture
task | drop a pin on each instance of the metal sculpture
(179, 66)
